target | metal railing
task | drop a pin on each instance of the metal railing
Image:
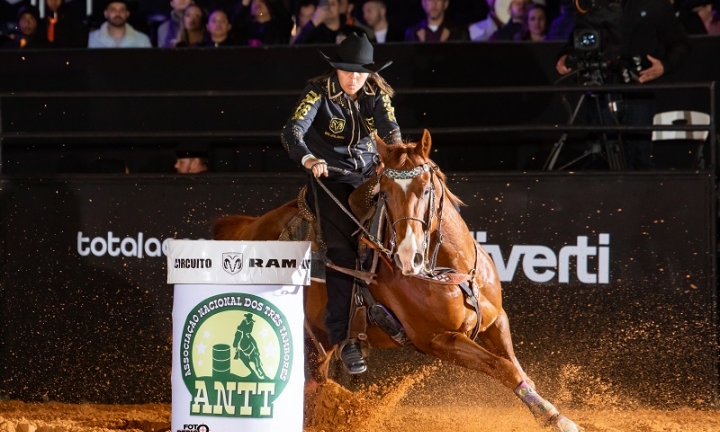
(566, 127)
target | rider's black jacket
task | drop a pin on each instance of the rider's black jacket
(329, 125)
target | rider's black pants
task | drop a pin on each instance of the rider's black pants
(337, 229)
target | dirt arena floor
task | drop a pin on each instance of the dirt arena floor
(430, 397)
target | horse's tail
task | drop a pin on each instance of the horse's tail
(231, 227)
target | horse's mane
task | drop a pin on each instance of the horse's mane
(403, 156)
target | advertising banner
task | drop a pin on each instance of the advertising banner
(611, 273)
(238, 360)
(238, 262)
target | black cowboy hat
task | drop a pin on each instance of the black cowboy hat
(355, 54)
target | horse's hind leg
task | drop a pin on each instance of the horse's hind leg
(461, 350)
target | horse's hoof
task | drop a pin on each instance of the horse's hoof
(563, 424)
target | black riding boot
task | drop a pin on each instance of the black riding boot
(352, 358)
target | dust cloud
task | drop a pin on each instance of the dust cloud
(428, 397)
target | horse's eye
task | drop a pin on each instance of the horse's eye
(426, 192)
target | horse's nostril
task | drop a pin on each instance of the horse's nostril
(418, 259)
(398, 262)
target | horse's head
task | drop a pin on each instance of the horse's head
(414, 193)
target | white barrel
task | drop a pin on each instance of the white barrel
(238, 355)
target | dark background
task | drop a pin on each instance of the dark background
(97, 329)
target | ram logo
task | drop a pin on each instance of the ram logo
(232, 262)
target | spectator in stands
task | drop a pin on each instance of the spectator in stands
(518, 9)
(61, 29)
(193, 32)
(192, 158)
(482, 30)
(562, 26)
(436, 27)
(168, 30)
(334, 124)
(326, 26)
(218, 29)
(303, 14)
(535, 25)
(347, 11)
(27, 36)
(115, 32)
(9, 10)
(375, 15)
(698, 18)
(262, 22)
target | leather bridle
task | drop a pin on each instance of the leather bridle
(429, 261)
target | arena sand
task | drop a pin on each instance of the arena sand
(433, 397)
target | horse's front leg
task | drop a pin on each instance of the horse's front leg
(461, 350)
(498, 340)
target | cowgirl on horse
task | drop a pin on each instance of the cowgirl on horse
(334, 123)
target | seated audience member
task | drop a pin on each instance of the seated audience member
(375, 15)
(698, 18)
(27, 36)
(9, 10)
(193, 32)
(562, 26)
(262, 22)
(436, 27)
(218, 29)
(482, 30)
(303, 14)
(192, 158)
(518, 9)
(168, 30)
(535, 25)
(61, 29)
(326, 26)
(115, 32)
(347, 11)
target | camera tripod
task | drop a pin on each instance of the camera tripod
(611, 151)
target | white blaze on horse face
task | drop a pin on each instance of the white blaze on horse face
(403, 183)
(409, 253)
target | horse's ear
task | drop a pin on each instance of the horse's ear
(425, 144)
(382, 148)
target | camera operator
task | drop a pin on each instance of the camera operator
(642, 40)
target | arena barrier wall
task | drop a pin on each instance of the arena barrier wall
(610, 273)
(54, 132)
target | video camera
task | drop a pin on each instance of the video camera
(596, 44)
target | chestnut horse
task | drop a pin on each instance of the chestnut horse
(425, 232)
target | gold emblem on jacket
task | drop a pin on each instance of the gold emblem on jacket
(306, 105)
(336, 125)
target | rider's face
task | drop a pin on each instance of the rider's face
(352, 82)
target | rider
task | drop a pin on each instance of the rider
(334, 126)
